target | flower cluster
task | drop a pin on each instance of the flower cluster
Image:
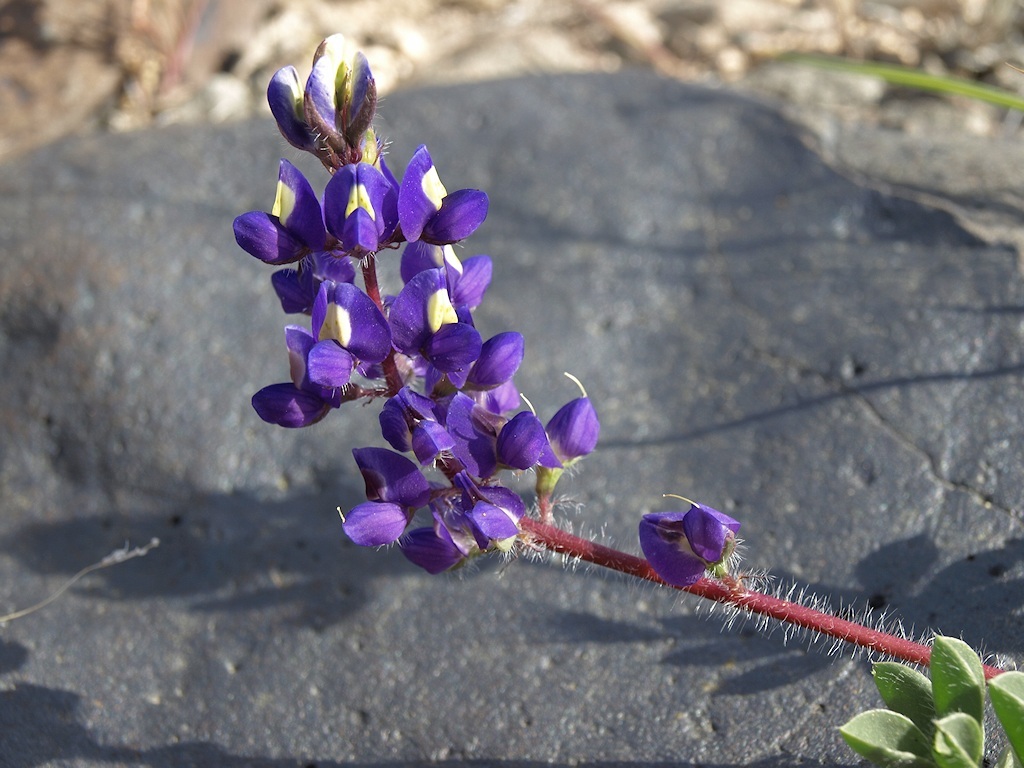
(449, 401)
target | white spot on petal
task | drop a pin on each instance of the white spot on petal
(337, 325)
(433, 188)
(284, 202)
(440, 310)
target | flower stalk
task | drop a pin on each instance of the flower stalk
(731, 591)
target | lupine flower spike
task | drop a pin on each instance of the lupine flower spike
(450, 409)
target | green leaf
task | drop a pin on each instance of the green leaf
(959, 741)
(914, 78)
(1007, 694)
(907, 691)
(958, 679)
(888, 739)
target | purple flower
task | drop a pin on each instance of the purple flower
(360, 208)
(297, 288)
(293, 228)
(479, 519)
(680, 546)
(409, 423)
(340, 98)
(391, 477)
(394, 489)
(342, 313)
(474, 430)
(500, 358)
(375, 523)
(301, 401)
(419, 255)
(428, 212)
(573, 430)
(424, 322)
(467, 282)
(501, 399)
(432, 549)
(485, 517)
(284, 94)
(521, 442)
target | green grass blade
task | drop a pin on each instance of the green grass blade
(914, 78)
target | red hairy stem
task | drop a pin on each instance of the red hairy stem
(733, 592)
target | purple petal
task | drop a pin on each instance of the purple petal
(457, 378)
(461, 213)
(391, 477)
(500, 358)
(410, 327)
(501, 399)
(666, 549)
(394, 427)
(429, 440)
(707, 530)
(474, 443)
(299, 342)
(504, 498)
(374, 523)
(291, 291)
(361, 95)
(574, 429)
(321, 105)
(419, 256)
(344, 313)
(329, 365)
(420, 195)
(455, 346)
(298, 208)
(521, 441)
(359, 233)
(263, 236)
(284, 94)
(431, 551)
(492, 522)
(354, 207)
(471, 285)
(288, 406)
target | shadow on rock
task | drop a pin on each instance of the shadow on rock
(40, 726)
(226, 553)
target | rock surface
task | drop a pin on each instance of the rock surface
(838, 367)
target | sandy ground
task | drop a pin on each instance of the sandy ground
(72, 65)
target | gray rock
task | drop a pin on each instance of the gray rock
(838, 367)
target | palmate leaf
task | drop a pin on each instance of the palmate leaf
(1007, 694)
(888, 739)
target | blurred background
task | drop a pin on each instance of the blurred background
(68, 66)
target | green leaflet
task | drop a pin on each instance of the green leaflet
(888, 739)
(959, 741)
(1007, 694)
